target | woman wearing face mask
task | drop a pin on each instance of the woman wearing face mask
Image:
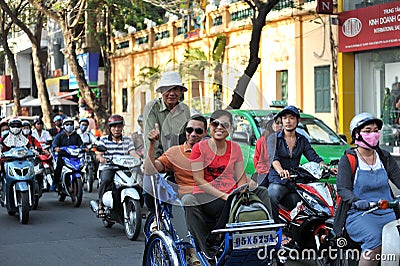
(67, 137)
(27, 132)
(369, 182)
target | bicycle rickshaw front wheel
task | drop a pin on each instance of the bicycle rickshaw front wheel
(160, 250)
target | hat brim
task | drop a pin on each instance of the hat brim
(167, 88)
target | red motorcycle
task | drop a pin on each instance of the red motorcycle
(309, 211)
(44, 168)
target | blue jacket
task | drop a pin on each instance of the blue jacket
(288, 162)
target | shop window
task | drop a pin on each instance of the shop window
(124, 99)
(282, 85)
(322, 89)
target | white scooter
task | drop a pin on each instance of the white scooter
(122, 200)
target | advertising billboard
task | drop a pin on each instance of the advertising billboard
(369, 28)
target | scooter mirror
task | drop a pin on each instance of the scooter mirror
(101, 148)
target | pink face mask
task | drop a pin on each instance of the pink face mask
(371, 138)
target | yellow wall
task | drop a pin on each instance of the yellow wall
(291, 40)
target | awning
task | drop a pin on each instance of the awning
(30, 101)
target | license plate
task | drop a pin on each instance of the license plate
(254, 240)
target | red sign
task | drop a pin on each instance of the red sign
(370, 28)
(5, 88)
(325, 7)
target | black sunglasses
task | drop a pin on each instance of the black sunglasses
(198, 130)
(216, 123)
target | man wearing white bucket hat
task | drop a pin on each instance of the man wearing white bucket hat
(166, 111)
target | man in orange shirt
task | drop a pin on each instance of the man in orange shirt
(176, 158)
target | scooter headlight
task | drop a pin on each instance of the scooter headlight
(316, 204)
(10, 171)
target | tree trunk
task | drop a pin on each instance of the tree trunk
(41, 85)
(77, 70)
(15, 77)
(258, 23)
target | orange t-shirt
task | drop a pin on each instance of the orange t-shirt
(176, 159)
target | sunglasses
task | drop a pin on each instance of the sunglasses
(198, 130)
(68, 124)
(216, 123)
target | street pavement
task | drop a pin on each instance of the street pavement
(59, 234)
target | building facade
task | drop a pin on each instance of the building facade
(295, 51)
(369, 60)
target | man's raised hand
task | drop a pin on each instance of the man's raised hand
(154, 134)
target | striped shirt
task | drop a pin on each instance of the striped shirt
(123, 147)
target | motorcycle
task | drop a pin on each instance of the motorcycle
(308, 212)
(122, 199)
(43, 169)
(71, 174)
(89, 169)
(18, 182)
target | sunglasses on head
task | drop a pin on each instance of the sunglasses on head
(216, 123)
(197, 130)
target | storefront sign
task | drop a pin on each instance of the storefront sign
(370, 28)
(324, 7)
(90, 64)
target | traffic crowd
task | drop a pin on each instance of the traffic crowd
(208, 167)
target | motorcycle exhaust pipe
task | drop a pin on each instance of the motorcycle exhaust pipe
(94, 206)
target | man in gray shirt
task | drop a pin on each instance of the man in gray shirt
(170, 114)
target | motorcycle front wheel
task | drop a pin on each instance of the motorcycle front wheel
(77, 192)
(132, 219)
(23, 207)
(36, 196)
(89, 179)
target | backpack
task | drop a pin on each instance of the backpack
(247, 207)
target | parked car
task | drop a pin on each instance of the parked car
(247, 129)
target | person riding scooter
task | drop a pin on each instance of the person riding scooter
(116, 144)
(67, 137)
(290, 146)
(367, 180)
(27, 132)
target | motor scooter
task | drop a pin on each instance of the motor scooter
(122, 199)
(348, 252)
(71, 174)
(18, 182)
(307, 211)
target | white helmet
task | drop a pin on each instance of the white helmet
(361, 120)
(68, 119)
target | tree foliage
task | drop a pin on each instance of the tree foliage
(31, 22)
(124, 12)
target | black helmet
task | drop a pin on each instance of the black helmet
(15, 122)
(115, 120)
(289, 110)
(37, 121)
(3, 122)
